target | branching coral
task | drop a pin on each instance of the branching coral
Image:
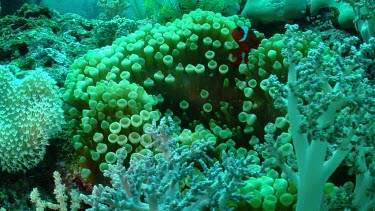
(330, 107)
(61, 197)
(156, 177)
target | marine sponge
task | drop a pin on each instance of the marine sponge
(30, 114)
(266, 12)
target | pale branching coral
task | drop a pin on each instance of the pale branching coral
(152, 182)
(330, 106)
(61, 197)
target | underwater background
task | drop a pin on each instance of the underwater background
(187, 105)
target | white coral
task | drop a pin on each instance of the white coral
(30, 113)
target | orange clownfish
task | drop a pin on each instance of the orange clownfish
(246, 40)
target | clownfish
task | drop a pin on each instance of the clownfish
(246, 40)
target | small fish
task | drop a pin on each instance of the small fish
(246, 40)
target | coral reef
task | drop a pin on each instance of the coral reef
(284, 124)
(39, 37)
